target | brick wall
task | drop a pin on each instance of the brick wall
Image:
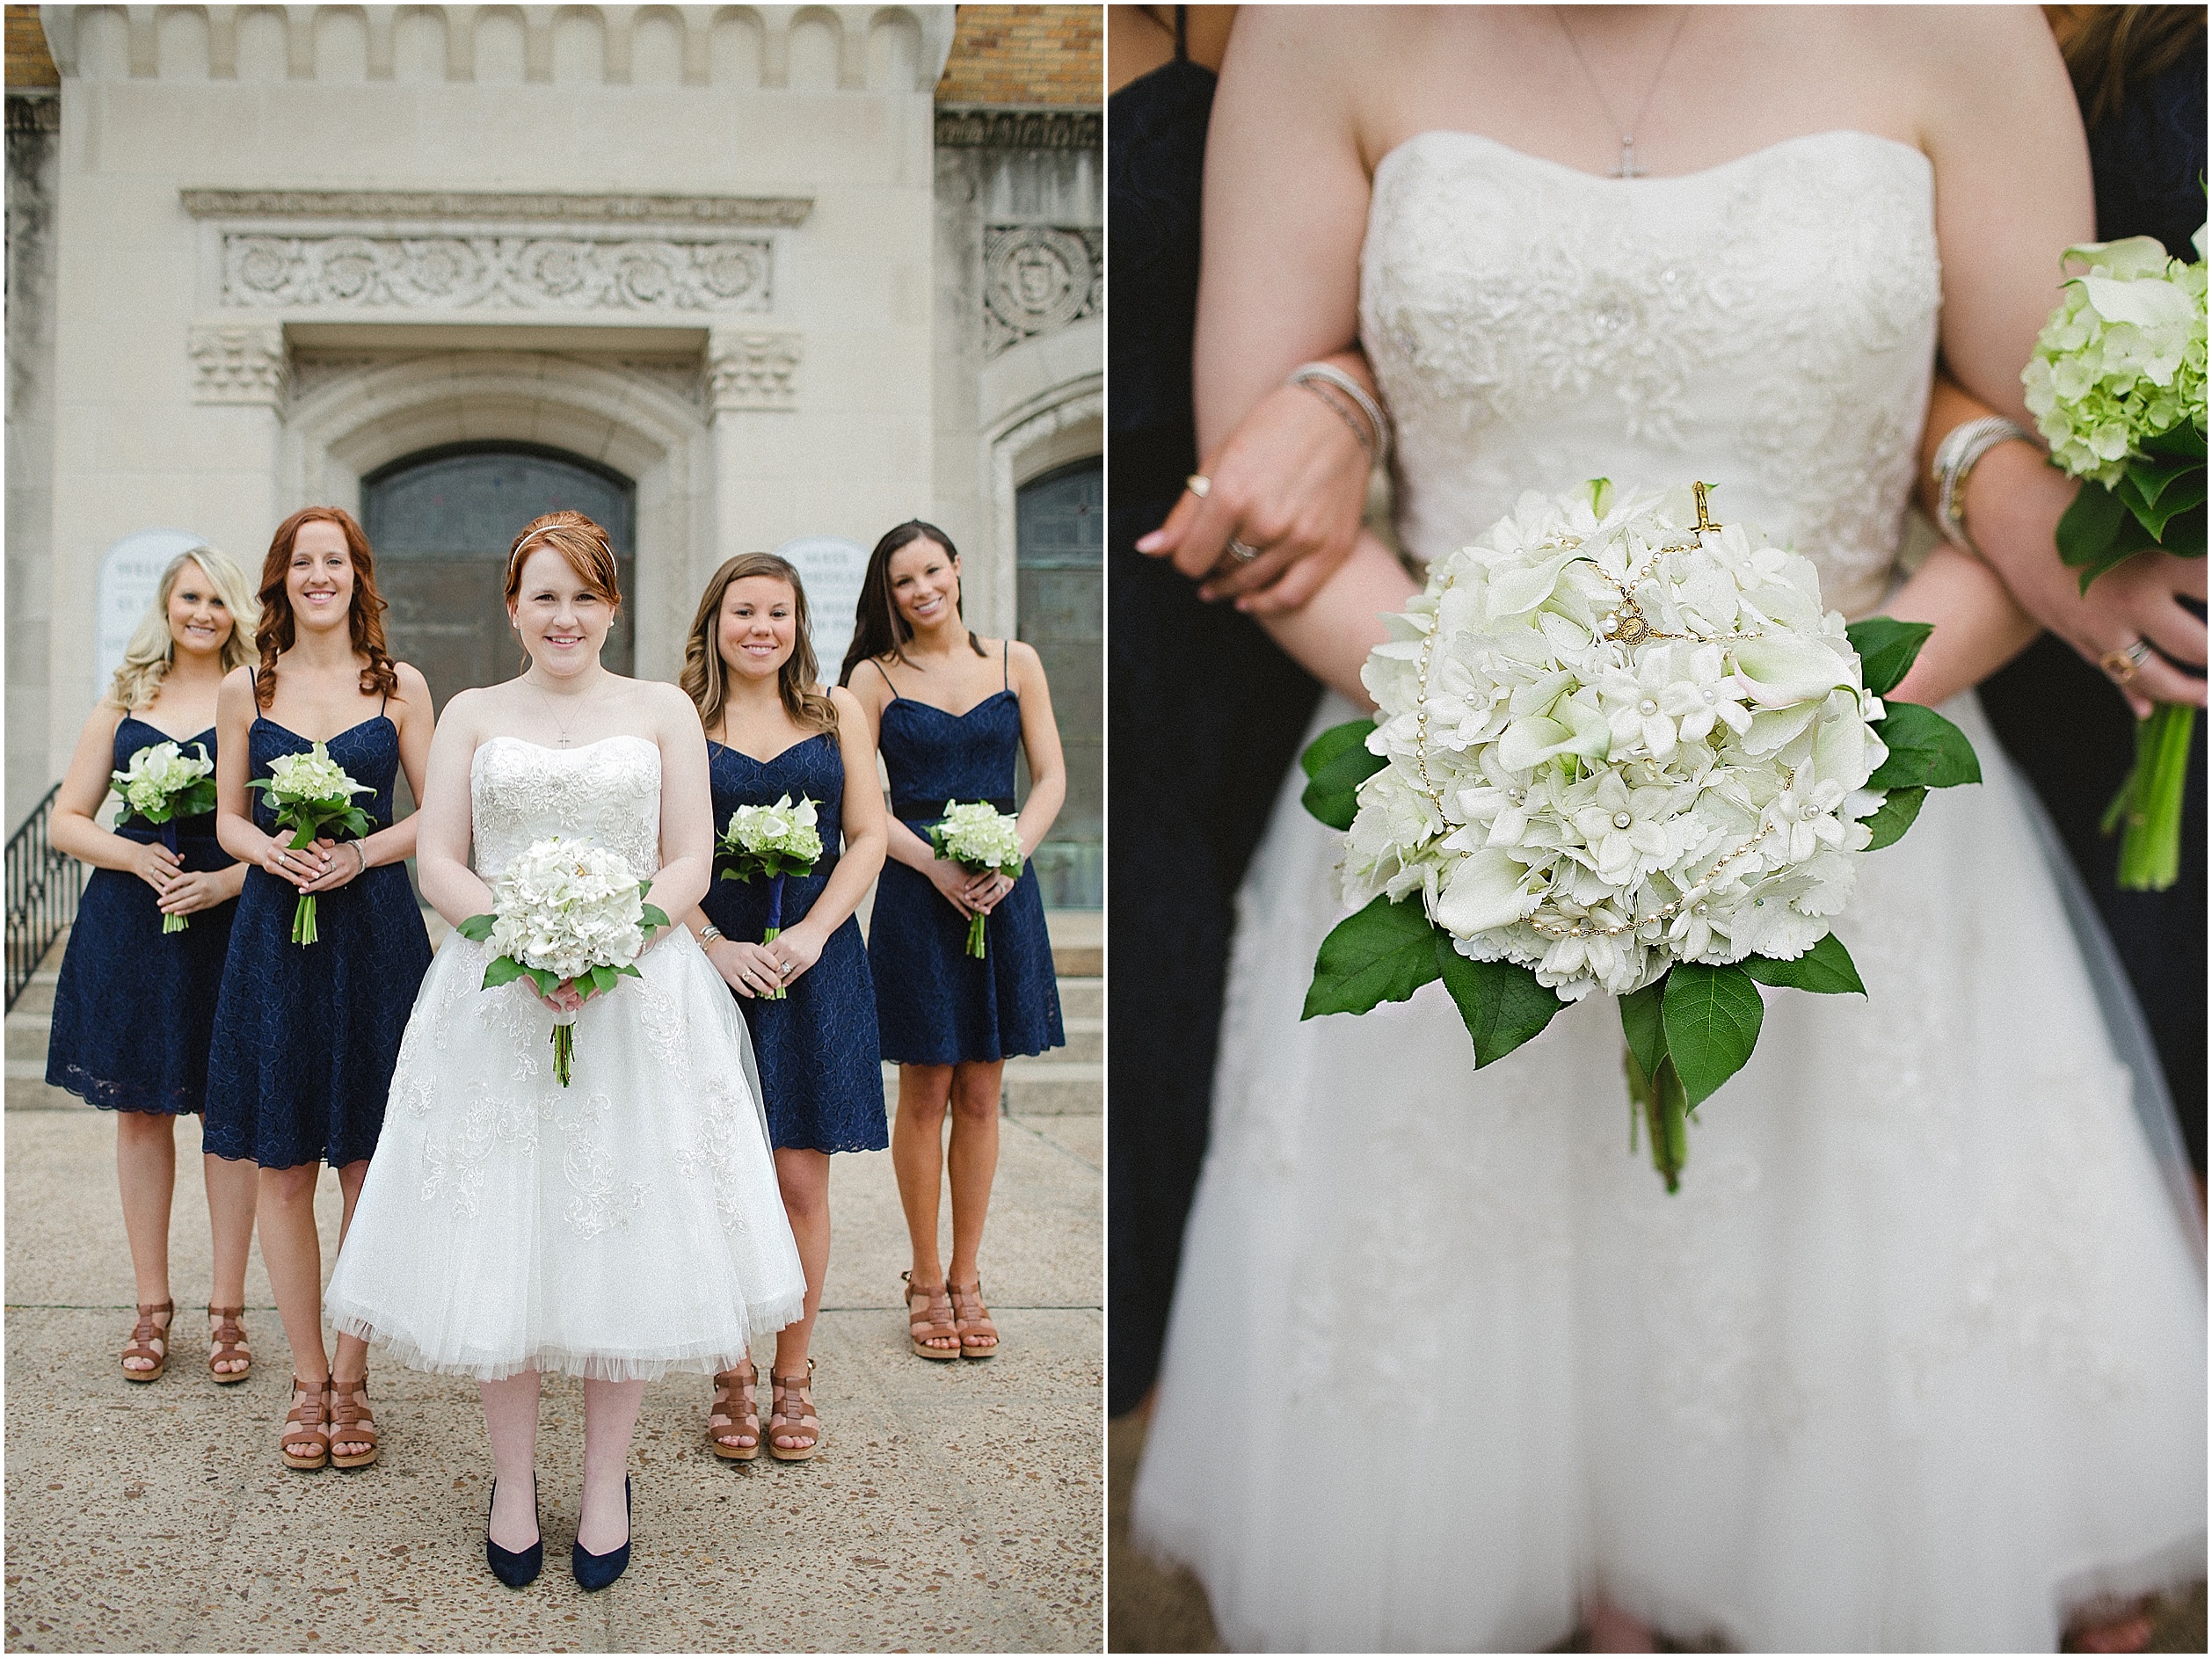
(29, 63)
(1024, 54)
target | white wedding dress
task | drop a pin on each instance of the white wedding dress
(1917, 1357)
(621, 1227)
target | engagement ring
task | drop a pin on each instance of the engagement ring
(1243, 552)
(2124, 663)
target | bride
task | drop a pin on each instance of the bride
(617, 1229)
(1917, 1357)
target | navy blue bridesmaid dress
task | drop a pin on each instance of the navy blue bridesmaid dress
(820, 1070)
(135, 1005)
(936, 1004)
(306, 1036)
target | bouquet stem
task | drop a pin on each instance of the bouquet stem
(774, 927)
(1665, 1108)
(564, 1051)
(2149, 803)
(975, 934)
(303, 919)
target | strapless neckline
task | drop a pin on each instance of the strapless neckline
(1764, 152)
(569, 748)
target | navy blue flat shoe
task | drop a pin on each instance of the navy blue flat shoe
(597, 1571)
(514, 1567)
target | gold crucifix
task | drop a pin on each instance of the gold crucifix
(1705, 521)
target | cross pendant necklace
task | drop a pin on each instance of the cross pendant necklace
(1629, 167)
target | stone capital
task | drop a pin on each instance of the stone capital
(238, 362)
(747, 370)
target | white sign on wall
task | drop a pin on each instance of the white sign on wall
(832, 568)
(130, 576)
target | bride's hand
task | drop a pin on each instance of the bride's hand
(1292, 481)
(565, 997)
(748, 969)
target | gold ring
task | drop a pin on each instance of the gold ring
(1199, 484)
(2124, 663)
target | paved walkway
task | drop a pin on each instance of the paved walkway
(953, 1506)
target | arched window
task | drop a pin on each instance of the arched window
(1060, 544)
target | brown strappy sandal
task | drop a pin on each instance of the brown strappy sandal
(735, 1415)
(350, 1424)
(228, 1338)
(781, 1421)
(936, 1321)
(148, 1340)
(306, 1443)
(974, 1320)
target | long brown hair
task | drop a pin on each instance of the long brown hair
(878, 630)
(705, 677)
(276, 632)
(2112, 50)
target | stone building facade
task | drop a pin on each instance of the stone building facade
(743, 277)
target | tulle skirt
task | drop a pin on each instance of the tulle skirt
(621, 1227)
(1915, 1360)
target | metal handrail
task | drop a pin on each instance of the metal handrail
(43, 887)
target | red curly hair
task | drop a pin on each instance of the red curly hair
(365, 615)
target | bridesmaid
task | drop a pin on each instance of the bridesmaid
(134, 1006)
(306, 1036)
(771, 731)
(950, 710)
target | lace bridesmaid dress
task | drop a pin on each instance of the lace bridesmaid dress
(820, 1070)
(621, 1227)
(1916, 1360)
(136, 1006)
(936, 1004)
(305, 1035)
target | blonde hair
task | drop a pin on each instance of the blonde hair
(705, 679)
(152, 648)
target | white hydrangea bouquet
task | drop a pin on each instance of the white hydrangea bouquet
(565, 911)
(162, 784)
(978, 836)
(2117, 389)
(310, 793)
(769, 843)
(1621, 749)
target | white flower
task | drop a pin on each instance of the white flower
(978, 836)
(780, 828)
(567, 907)
(1597, 810)
(314, 777)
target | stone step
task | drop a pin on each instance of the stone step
(27, 1034)
(1034, 1086)
(1086, 1040)
(1084, 961)
(1083, 998)
(38, 992)
(1078, 942)
(28, 1090)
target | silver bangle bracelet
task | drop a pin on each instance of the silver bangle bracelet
(1954, 457)
(1379, 453)
(708, 937)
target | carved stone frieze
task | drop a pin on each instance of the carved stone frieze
(752, 371)
(486, 205)
(656, 276)
(243, 364)
(983, 126)
(1038, 278)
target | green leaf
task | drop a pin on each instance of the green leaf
(1712, 1016)
(545, 978)
(504, 969)
(2144, 480)
(652, 915)
(1334, 741)
(1500, 1002)
(1925, 751)
(2087, 527)
(1894, 816)
(2184, 535)
(604, 978)
(1382, 954)
(628, 969)
(1827, 968)
(477, 926)
(1640, 1023)
(2176, 496)
(1886, 649)
(1333, 795)
(2183, 442)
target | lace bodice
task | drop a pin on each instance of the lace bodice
(1767, 326)
(521, 792)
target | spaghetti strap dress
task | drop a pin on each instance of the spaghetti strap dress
(136, 1006)
(820, 1076)
(306, 1036)
(934, 1003)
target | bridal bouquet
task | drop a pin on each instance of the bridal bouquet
(2117, 389)
(565, 913)
(310, 794)
(162, 784)
(978, 837)
(1619, 750)
(772, 843)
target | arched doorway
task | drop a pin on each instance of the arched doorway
(442, 521)
(1059, 565)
